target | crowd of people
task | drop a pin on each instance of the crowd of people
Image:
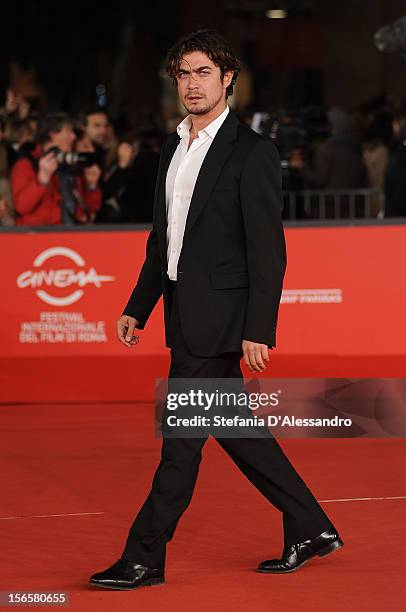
(62, 170)
(337, 151)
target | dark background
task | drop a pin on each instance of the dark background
(56, 53)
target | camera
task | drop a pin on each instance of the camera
(73, 159)
(293, 130)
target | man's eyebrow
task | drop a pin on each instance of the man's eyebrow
(195, 69)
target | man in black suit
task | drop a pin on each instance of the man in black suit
(216, 253)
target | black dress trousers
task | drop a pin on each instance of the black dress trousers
(261, 460)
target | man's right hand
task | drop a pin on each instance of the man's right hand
(125, 330)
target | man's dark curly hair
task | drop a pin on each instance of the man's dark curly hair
(214, 45)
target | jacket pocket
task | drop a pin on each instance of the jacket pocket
(229, 280)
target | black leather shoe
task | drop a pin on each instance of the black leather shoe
(296, 555)
(125, 575)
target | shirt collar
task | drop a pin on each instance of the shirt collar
(211, 129)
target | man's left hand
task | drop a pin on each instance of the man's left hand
(255, 355)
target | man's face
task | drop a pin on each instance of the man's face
(200, 86)
(97, 128)
(63, 139)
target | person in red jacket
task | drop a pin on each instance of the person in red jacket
(47, 190)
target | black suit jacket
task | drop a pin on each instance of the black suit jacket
(233, 257)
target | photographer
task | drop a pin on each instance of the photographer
(136, 201)
(49, 186)
(113, 156)
(115, 183)
(96, 125)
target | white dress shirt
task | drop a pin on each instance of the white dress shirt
(180, 183)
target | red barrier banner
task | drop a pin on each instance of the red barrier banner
(63, 293)
(344, 292)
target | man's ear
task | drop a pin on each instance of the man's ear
(227, 78)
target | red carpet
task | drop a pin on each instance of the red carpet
(132, 378)
(68, 459)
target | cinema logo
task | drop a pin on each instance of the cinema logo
(312, 296)
(44, 280)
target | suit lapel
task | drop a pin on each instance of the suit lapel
(212, 165)
(161, 193)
